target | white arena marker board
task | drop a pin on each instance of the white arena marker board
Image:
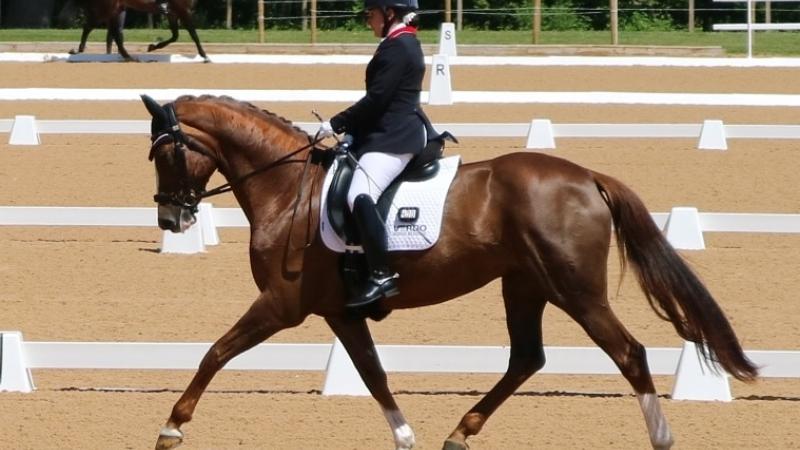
(441, 92)
(447, 39)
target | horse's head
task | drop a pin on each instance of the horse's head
(183, 166)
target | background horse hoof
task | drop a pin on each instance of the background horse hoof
(151, 47)
(73, 52)
(169, 438)
(454, 445)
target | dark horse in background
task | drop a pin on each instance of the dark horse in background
(540, 223)
(111, 13)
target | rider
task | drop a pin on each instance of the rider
(388, 129)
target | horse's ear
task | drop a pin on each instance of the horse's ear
(155, 110)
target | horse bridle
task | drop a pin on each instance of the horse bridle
(189, 198)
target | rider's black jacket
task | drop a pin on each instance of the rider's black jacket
(388, 118)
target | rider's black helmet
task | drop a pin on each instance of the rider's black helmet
(406, 5)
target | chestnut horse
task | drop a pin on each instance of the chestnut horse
(111, 13)
(540, 223)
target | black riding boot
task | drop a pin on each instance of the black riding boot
(381, 281)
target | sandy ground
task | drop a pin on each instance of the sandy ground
(66, 284)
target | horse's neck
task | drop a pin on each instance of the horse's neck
(272, 191)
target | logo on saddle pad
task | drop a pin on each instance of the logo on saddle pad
(414, 215)
(407, 217)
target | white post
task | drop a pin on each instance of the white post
(207, 224)
(712, 136)
(683, 229)
(540, 135)
(188, 242)
(447, 39)
(24, 131)
(695, 380)
(14, 373)
(749, 28)
(441, 92)
(341, 376)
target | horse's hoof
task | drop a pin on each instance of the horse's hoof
(151, 47)
(73, 52)
(169, 438)
(206, 59)
(453, 445)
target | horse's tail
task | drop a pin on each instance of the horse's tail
(674, 292)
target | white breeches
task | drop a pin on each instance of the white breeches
(375, 172)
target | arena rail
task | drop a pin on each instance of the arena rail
(683, 226)
(750, 26)
(540, 133)
(693, 379)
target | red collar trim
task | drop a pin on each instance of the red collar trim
(402, 30)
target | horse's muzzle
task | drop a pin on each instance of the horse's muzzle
(175, 219)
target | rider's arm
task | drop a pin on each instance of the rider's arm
(389, 66)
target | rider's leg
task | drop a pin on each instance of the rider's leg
(374, 174)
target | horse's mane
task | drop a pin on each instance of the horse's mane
(247, 108)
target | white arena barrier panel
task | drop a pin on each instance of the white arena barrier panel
(19, 357)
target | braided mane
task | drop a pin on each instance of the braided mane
(269, 116)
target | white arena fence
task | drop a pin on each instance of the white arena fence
(693, 379)
(683, 226)
(750, 26)
(539, 133)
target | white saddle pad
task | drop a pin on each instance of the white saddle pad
(415, 216)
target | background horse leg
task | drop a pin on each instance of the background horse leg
(121, 25)
(173, 27)
(524, 307)
(265, 317)
(594, 314)
(87, 28)
(188, 23)
(357, 340)
(116, 32)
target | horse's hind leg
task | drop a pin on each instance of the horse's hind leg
(356, 338)
(265, 317)
(188, 23)
(594, 314)
(115, 30)
(524, 306)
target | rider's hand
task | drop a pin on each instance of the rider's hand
(325, 130)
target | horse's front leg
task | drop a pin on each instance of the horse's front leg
(356, 338)
(87, 28)
(265, 317)
(173, 27)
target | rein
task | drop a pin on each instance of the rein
(227, 187)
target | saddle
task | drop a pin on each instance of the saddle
(422, 167)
